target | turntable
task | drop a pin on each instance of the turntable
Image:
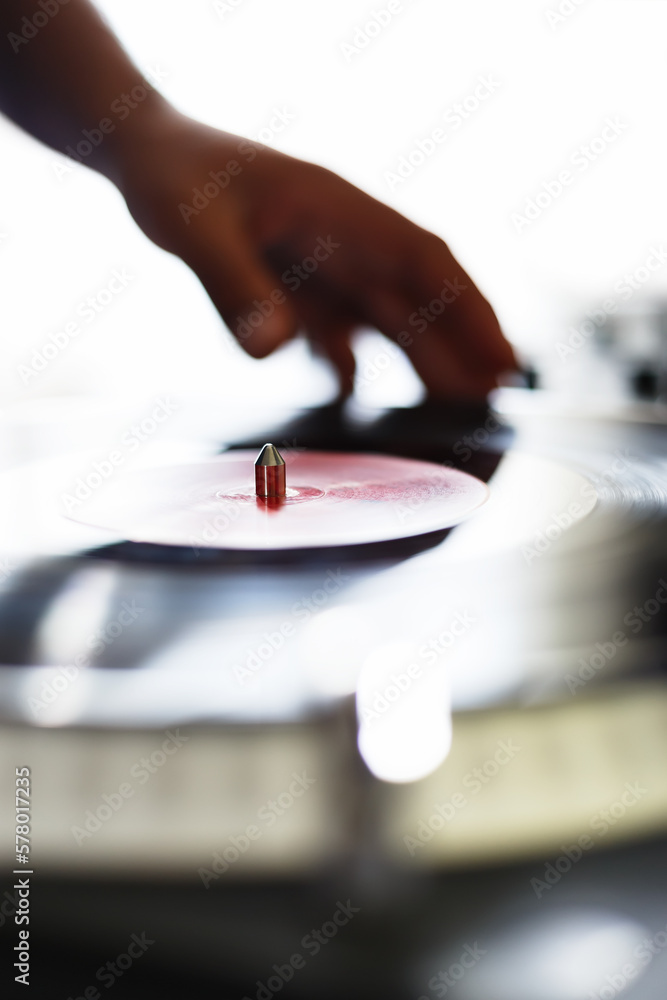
(424, 655)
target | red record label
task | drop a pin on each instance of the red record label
(331, 499)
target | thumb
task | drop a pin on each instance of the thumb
(245, 292)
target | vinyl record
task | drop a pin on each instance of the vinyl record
(331, 499)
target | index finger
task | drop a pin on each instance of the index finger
(448, 302)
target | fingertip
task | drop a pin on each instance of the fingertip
(486, 340)
(506, 359)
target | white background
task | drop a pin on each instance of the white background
(358, 113)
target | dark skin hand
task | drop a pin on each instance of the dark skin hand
(267, 214)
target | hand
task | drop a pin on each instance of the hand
(282, 245)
